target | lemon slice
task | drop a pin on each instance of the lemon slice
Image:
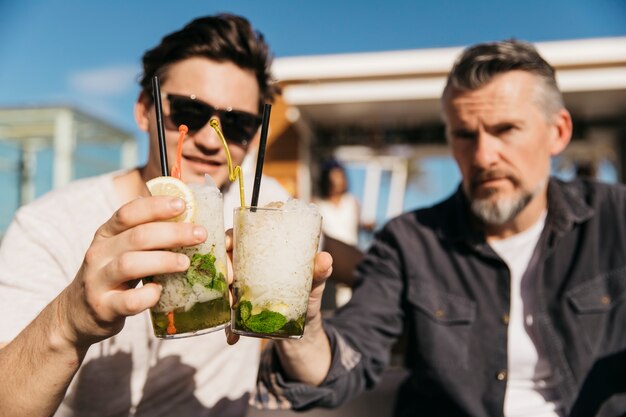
(171, 186)
(281, 308)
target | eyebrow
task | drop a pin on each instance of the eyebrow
(462, 131)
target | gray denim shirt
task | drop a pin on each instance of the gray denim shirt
(433, 278)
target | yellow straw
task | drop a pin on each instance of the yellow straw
(232, 173)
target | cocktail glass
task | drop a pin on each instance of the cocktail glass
(273, 258)
(196, 301)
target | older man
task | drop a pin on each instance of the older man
(510, 291)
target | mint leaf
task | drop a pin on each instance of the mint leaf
(219, 284)
(245, 308)
(202, 271)
(265, 322)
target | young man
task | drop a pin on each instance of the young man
(510, 292)
(65, 294)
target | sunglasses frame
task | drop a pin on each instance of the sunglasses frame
(223, 115)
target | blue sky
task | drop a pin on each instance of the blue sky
(87, 53)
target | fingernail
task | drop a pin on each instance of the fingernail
(177, 204)
(198, 232)
(183, 261)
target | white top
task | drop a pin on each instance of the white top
(341, 221)
(132, 373)
(530, 389)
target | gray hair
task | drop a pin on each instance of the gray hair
(479, 64)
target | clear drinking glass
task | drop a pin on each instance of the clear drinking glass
(273, 257)
(196, 301)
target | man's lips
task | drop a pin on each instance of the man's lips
(489, 181)
(202, 163)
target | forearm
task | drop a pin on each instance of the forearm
(38, 366)
(307, 360)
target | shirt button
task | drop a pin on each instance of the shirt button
(505, 319)
(501, 375)
(529, 320)
(439, 313)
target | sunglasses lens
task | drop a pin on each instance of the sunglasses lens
(185, 111)
(239, 127)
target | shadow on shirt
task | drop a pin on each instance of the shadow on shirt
(603, 393)
(103, 389)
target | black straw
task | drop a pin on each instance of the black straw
(156, 95)
(267, 108)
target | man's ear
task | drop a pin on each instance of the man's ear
(142, 111)
(562, 132)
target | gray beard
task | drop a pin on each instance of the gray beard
(499, 212)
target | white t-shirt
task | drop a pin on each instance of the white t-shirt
(132, 373)
(530, 389)
(341, 221)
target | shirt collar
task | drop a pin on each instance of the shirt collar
(566, 207)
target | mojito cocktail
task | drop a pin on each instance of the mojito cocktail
(197, 301)
(273, 257)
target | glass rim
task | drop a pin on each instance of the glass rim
(249, 208)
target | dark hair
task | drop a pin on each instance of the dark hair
(324, 181)
(479, 64)
(222, 38)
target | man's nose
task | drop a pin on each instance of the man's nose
(207, 137)
(486, 150)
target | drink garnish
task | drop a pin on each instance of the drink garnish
(202, 270)
(171, 186)
(266, 321)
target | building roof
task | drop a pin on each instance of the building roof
(20, 123)
(402, 88)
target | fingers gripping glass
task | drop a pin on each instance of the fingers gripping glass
(239, 127)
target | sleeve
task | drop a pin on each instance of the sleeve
(275, 393)
(361, 336)
(31, 271)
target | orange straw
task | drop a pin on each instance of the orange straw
(171, 329)
(176, 169)
(177, 173)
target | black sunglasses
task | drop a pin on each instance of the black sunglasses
(238, 126)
